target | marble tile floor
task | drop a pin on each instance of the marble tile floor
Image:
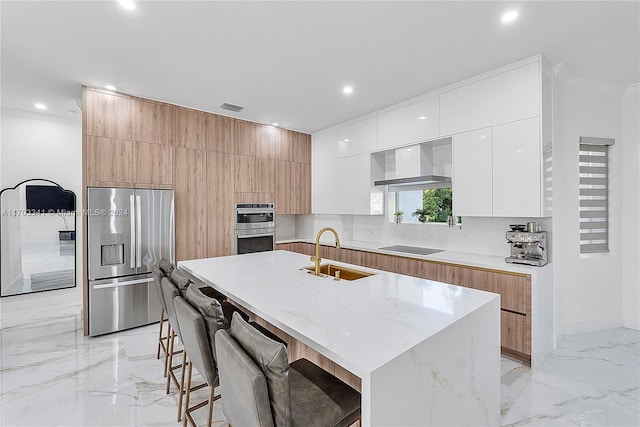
(51, 375)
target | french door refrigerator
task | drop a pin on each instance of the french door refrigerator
(129, 230)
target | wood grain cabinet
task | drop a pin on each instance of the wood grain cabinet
(153, 164)
(514, 288)
(220, 133)
(189, 129)
(220, 203)
(190, 200)
(109, 115)
(293, 146)
(153, 122)
(255, 140)
(293, 188)
(109, 161)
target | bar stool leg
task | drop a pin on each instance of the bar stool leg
(186, 403)
(166, 355)
(181, 390)
(211, 400)
(173, 338)
(160, 337)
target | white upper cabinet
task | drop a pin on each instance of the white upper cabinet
(324, 146)
(356, 193)
(412, 123)
(358, 138)
(517, 168)
(473, 173)
(324, 187)
(503, 98)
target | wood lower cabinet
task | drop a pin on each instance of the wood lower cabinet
(190, 200)
(514, 288)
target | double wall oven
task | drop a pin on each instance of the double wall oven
(255, 227)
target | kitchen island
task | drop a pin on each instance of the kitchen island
(427, 353)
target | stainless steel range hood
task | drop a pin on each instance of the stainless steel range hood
(415, 183)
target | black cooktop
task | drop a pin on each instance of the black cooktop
(411, 249)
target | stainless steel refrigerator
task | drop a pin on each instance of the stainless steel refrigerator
(129, 230)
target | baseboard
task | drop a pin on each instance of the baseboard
(591, 325)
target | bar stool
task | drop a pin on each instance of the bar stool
(198, 332)
(260, 387)
(162, 339)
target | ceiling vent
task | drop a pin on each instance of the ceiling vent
(231, 107)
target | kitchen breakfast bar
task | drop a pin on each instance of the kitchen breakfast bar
(427, 353)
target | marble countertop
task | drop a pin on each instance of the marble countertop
(361, 324)
(462, 258)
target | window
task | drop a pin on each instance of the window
(594, 195)
(432, 205)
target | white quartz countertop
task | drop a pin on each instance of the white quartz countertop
(361, 324)
(462, 258)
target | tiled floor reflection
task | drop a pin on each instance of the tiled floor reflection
(52, 375)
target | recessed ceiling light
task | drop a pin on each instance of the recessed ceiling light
(483, 137)
(110, 87)
(509, 16)
(347, 89)
(275, 124)
(422, 117)
(40, 106)
(127, 4)
(346, 140)
(409, 149)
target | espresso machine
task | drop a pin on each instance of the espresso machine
(528, 245)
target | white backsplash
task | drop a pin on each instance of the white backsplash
(478, 235)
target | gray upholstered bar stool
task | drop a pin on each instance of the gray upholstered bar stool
(200, 317)
(260, 388)
(163, 340)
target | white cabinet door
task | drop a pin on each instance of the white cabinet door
(324, 187)
(472, 173)
(412, 123)
(359, 137)
(345, 188)
(356, 193)
(324, 146)
(507, 97)
(517, 169)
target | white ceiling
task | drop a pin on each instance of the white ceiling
(288, 61)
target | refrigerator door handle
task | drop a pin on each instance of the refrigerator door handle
(138, 233)
(132, 212)
(119, 284)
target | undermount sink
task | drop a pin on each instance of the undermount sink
(344, 273)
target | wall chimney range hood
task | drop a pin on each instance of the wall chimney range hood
(418, 167)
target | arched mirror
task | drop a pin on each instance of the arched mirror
(37, 238)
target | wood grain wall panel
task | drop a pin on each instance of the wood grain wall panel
(189, 128)
(190, 199)
(153, 164)
(109, 160)
(284, 146)
(154, 122)
(220, 199)
(220, 133)
(110, 115)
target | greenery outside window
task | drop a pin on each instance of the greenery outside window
(421, 206)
